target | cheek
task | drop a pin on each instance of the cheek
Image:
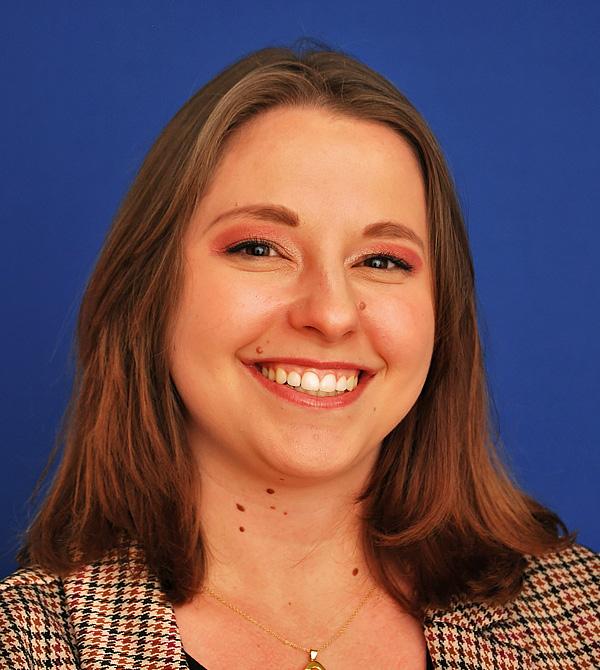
(220, 311)
(402, 330)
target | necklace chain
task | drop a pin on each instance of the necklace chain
(281, 638)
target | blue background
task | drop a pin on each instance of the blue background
(510, 88)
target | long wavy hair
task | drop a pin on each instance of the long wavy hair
(439, 505)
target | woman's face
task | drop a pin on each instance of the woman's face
(307, 260)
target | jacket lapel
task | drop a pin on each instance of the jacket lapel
(475, 636)
(121, 618)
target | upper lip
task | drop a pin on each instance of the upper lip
(311, 363)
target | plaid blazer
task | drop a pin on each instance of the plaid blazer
(113, 614)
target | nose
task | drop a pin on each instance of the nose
(324, 305)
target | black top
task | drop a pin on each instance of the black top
(194, 665)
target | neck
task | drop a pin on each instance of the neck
(299, 537)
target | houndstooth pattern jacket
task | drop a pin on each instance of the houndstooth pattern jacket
(113, 615)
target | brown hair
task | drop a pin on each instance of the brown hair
(439, 506)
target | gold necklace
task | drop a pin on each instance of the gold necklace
(312, 664)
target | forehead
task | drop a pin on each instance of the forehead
(319, 164)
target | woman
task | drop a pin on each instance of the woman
(277, 452)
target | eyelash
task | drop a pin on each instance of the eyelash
(248, 244)
(399, 263)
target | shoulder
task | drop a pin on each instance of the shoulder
(557, 609)
(31, 593)
(564, 580)
(556, 615)
(552, 623)
(34, 624)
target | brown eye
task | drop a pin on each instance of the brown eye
(383, 262)
(378, 263)
(257, 248)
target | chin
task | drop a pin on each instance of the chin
(316, 457)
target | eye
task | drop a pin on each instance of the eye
(254, 247)
(387, 262)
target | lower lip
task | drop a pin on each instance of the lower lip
(312, 401)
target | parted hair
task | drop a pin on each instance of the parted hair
(439, 507)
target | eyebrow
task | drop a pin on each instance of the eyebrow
(287, 217)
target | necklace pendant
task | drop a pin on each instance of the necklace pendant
(313, 664)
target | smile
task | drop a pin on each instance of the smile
(312, 387)
(314, 382)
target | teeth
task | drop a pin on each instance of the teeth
(310, 383)
(320, 394)
(294, 379)
(327, 383)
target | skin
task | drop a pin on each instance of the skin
(293, 470)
